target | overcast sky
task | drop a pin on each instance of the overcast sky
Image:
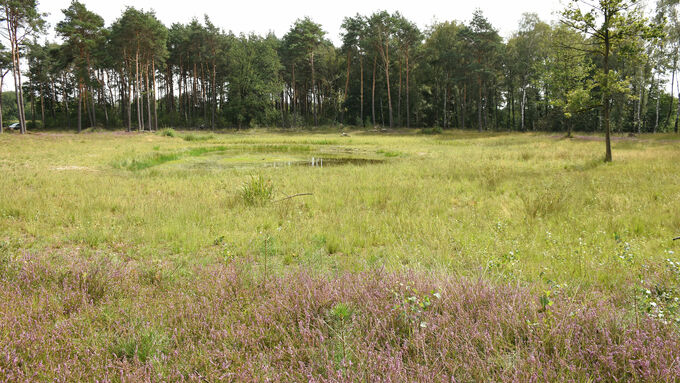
(263, 16)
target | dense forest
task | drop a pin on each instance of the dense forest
(605, 66)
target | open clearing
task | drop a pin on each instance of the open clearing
(144, 256)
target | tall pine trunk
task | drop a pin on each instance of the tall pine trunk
(2, 80)
(375, 61)
(387, 78)
(677, 113)
(605, 101)
(342, 113)
(401, 69)
(130, 101)
(361, 73)
(138, 93)
(80, 108)
(479, 103)
(42, 106)
(155, 103)
(214, 96)
(314, 101)
(148, 96)
(523, 107)
(408, 101)
(293, 106)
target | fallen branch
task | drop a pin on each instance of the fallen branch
(675, 239)
(293, 196)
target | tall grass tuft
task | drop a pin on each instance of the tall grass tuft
(197, 137)
(257, 191)
(167, 132)
(146, 344)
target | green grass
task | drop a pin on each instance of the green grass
(458, 202)
(139, 255)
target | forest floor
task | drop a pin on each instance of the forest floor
(463, 256)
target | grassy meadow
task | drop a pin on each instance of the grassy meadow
(398, 257)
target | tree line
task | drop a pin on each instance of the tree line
(603, 66)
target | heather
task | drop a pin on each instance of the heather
(406, 257)
(79, 321)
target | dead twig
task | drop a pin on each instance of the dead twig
(293, 196)
(676, 238)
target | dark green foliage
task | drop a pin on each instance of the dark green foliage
(139, 74)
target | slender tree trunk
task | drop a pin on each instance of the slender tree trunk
(66, 114)
(314, 106)
(2, 80)
(30, 85)
(283, 114)
(670, 109)
(399, 95)
(170, 92)
(677, 113)
(523, 106)
(22, 111)
(53, 94)
(194, 86)
(180, 107)
(138, 90)
(148, 96)
(94, 111)
(42, 106)
(214, 96)
(512, 107)
(387, 78)
(569, 128)
(342, 114)
(204, 96)
(375, 61)
(88, 112)
(155, 103)
(187, 99)
(607, 126)
(479, 103)
(656, 121)
(382, 114)
(293, 107)
(361, 73)
(130, 101)
(16, 68)
(106, 115)
(408, 92)
(464, 106)
(446, 122)
(104, 102)
(638, 120)
(80, 108)
(495, 108)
